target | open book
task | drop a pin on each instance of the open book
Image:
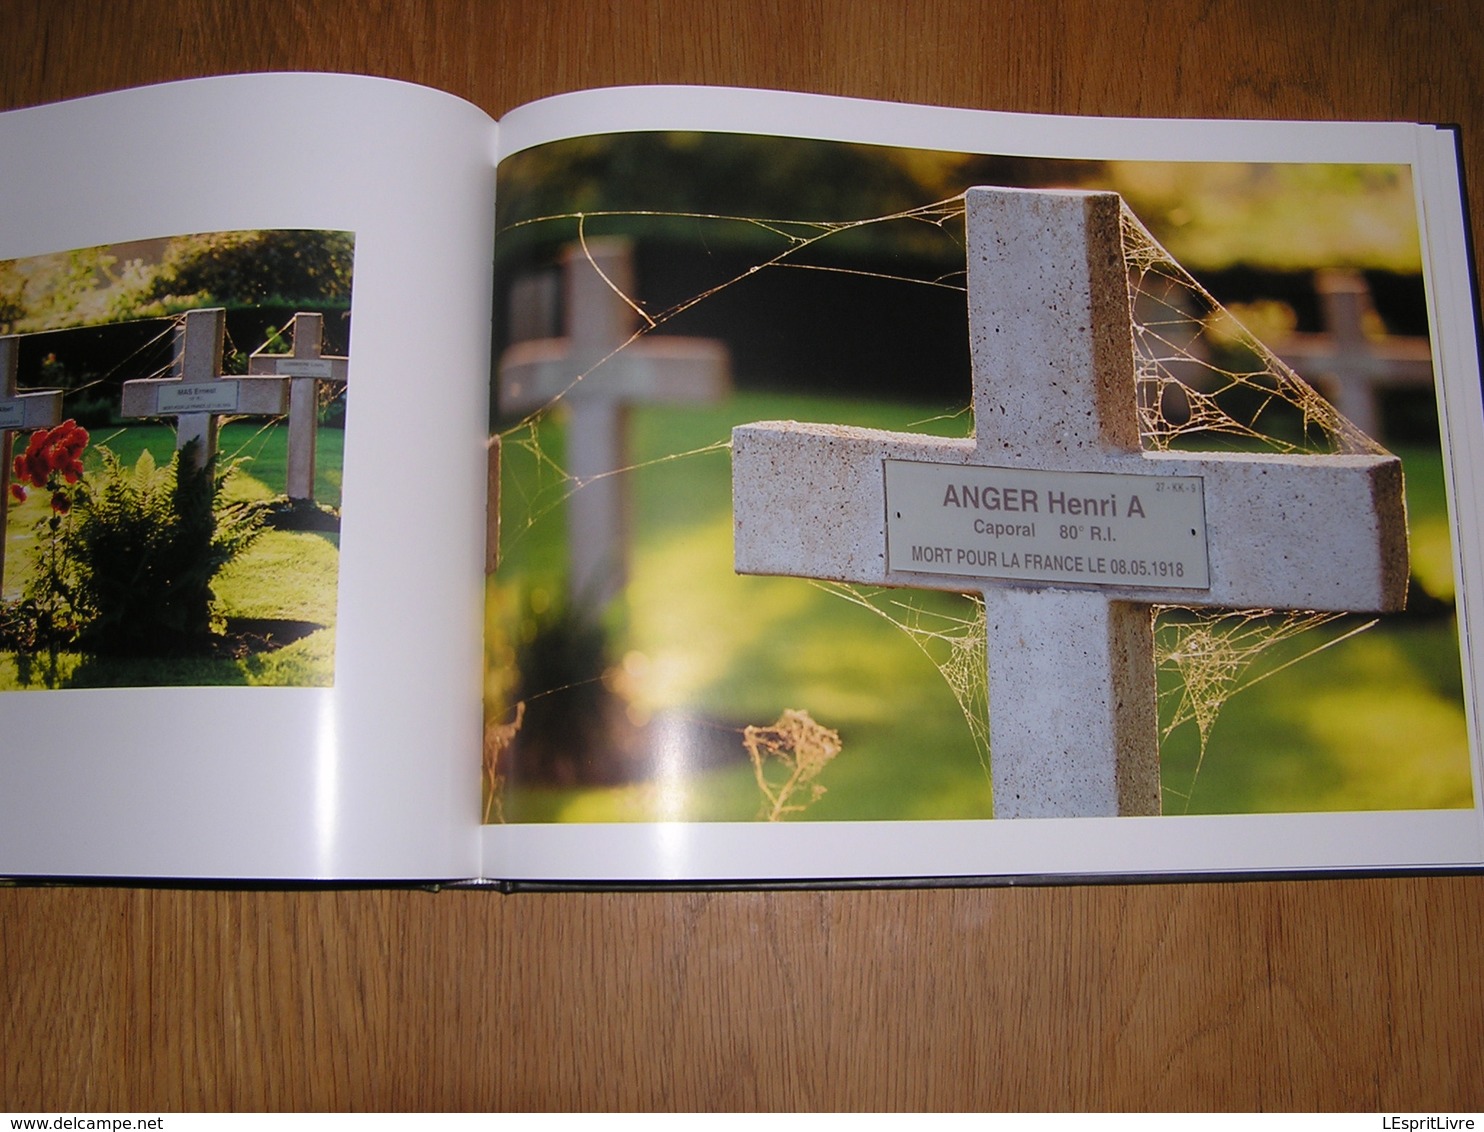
(721, 486)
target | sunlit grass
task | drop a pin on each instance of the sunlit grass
(260, 446)
(1375, 722)
(288, 576)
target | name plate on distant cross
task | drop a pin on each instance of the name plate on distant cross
(1098, 528)
(196, 397)
(38, 408)
(303, 367)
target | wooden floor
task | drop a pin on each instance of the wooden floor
(1349, 994)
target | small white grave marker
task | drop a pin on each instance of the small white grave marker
(19, 412)
(656, 368)
(196, 393)
(1057, 517)
(1346, 362)
(305, 368)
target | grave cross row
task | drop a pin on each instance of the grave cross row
(305, 368)
(1054, 514)
(196, 393)
(599, 320)
(18, 412)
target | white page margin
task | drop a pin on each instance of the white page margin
(376, 777)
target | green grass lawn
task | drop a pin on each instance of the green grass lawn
(1375, 722)
(283, 577)
(262, 446)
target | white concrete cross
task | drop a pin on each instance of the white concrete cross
(601, 326)
(1053, 512)
(305, 367)
(19, 412)
(196, 393)
(1345, 361)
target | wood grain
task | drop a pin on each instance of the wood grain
(1352, 994)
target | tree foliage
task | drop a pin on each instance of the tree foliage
(249, 269)
(93, 286)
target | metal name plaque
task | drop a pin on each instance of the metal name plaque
(12, 414)
(176, 397)
(1097, 528)
(303, 367)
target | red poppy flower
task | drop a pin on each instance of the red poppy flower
(52, 452)
(19, 492)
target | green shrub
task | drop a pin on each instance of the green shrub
(20, 625)
(146, 544)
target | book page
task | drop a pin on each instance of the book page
(795, 577)
(287, 278)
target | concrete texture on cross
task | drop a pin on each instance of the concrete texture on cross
(1072, 691)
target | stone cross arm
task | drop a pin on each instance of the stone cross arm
(325, 368)
(1284, 531)
(196, 384)
(31, 409)
(23, 409)
(246, 396)
(197, 394)
(655, 368)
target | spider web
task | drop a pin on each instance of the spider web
(1203, 382)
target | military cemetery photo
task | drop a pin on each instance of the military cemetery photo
(849, 483)
(172, 417)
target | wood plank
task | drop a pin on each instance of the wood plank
(1353, 994)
